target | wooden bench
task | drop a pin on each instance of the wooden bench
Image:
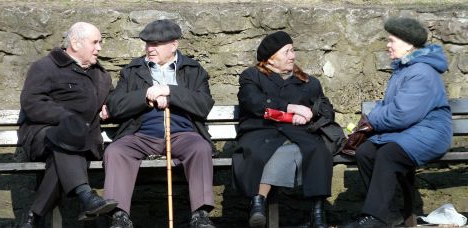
(222, 124)
(459, 109)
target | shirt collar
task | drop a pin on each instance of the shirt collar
(172, 64)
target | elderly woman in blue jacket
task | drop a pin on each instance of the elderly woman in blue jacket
(411, 125)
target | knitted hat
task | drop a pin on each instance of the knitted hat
(271, 44)
(407, 29)
(161, 31)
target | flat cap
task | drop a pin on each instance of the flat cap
(161, 31)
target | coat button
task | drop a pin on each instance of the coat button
(267, 140)
(280, 128)
(268, 100)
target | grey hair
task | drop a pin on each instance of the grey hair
(78, 31)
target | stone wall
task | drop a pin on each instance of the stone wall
(342, 44)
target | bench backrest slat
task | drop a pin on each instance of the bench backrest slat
(217, 132)
(222, 121)
(223, 132)
(8, 138)
(9, 117)
(459, 106)
(224, 113)
(218, 113)
(460, 126)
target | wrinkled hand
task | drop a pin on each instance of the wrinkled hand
(302, 110)
(155, 91)
(162, 102)
(299, 120)
(104, 114)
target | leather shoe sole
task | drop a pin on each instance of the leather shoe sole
(257, 220)
(103, 209)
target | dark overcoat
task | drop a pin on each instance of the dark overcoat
(56, 86)
(127, 103)
(258, 138)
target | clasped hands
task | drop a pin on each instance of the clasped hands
(302, 114)
(157, 95)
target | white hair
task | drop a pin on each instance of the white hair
(78, 31)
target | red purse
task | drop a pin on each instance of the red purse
(278, 116)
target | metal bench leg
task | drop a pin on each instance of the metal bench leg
(273, 212)
(408, 189)
(56, 218)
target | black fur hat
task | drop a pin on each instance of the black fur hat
(407, 29)
(271, 44)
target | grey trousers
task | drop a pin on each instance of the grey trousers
(122, 160)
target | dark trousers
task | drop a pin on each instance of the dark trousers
(381, 168)
(122, 160)
(64, 171)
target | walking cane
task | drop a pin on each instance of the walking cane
(167, 128)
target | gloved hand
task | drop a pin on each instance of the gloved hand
(358, 136)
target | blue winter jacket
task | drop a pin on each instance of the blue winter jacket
(414, 112)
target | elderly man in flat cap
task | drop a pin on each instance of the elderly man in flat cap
(162, 78)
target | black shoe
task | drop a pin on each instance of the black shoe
(257, 212)
(31, 221)
(94, 205)
(201, 219)
(368, 221)
(395, 218)
(120, 219)
(317, 216)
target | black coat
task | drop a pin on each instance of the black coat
(56, 86)
(258, 138)
(127, 103)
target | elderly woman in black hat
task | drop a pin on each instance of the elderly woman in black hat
(279, 150)
(411, 125)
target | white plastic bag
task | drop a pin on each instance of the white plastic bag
(446, 214)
